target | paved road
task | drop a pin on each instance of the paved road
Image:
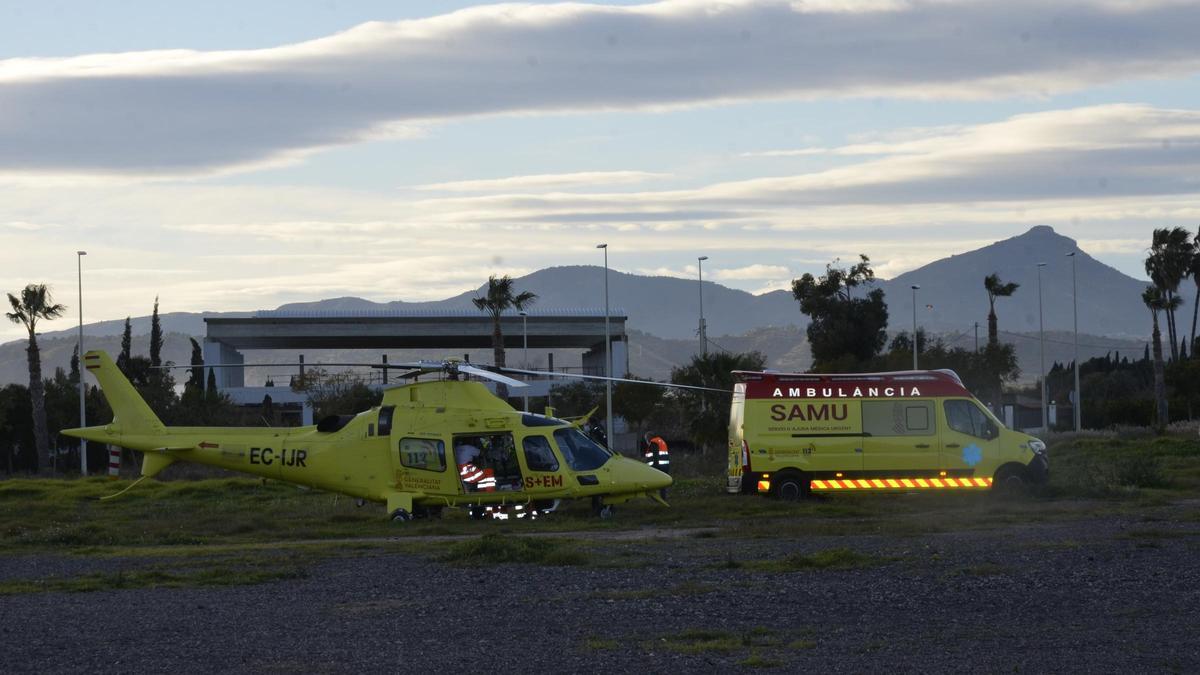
(1094, 595)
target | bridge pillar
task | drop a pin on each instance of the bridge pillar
(218, 352)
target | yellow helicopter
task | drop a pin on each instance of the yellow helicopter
(429, 445)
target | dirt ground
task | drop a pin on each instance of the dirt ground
(1094, 589)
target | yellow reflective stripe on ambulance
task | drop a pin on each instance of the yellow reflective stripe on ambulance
(899, 483)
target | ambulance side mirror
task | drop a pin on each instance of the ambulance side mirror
(990, 431)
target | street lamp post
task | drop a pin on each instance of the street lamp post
(915, 287)
(82, 404)
(607, 357)
(1042, 340)
(525, 357)
(700, 273)
(1078, 407)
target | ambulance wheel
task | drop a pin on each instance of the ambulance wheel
(401, 516)
(790, 486)
(1010, 481)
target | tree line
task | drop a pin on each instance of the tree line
(31, 416)
(847, 332)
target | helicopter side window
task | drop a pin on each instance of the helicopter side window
(581, 452)
(423, 453)
(538, 455)
(385, 420)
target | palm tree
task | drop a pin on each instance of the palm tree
(1194, 272)
(499, 298)
(1156, 300)
(1170, 257)
(996, 289)
(35, 303)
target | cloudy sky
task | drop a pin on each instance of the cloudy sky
(238, 155)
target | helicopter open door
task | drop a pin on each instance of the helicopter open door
(487, 462)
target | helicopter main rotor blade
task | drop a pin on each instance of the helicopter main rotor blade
(611, 379)
(480, 372)
(311, 364)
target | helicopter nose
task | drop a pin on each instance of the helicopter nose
(643, 477)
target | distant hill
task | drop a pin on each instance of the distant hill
(663, 311)
(1110, 302)
(668, 307)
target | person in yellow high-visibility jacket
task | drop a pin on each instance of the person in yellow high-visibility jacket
(657, 455)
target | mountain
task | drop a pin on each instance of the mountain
(1110, 302)
(668, 307)
(58, 347)
(663, 311)
(649, 355)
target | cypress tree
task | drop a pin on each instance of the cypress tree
(126, 348)
(156, 337)
(195, 381)
(74, 378)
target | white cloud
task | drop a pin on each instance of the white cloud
(179, 112)
(776, 285)
(256, 246)
(750, 272)
(1103, 246)
(1096, 163)
(23, 226)
(687, 272)
(556, 181)
(1098, 152)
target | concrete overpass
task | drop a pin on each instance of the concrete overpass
(227, 338)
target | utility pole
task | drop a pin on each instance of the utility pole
(1078, 402)
(700, 273)
(607, 356)
(82, 402)
(976, 337)
(914, 340)
(525, 356)
(1042, 339)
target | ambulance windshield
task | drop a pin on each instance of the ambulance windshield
(580, 452)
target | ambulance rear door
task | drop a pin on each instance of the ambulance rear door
(737, 411)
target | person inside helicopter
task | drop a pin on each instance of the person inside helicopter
(487, 462)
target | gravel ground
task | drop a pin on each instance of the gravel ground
(1118, 594)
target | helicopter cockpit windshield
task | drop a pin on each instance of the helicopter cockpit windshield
(580, 452)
